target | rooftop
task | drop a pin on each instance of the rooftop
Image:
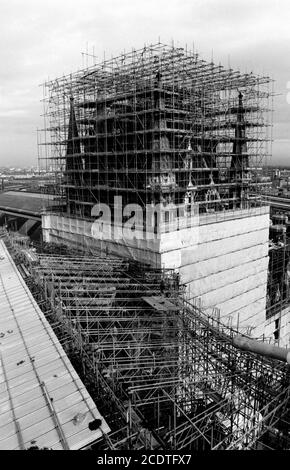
(20, 201)
(43, 402)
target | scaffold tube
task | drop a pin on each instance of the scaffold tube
(259, 347)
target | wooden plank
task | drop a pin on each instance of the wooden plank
(160, 303)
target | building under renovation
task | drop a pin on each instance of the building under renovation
(157, 156)
(153, 277)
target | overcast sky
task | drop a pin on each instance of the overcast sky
(43, 39)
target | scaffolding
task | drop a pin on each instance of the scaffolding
(163, 373)
(157, 125)
(278, 284)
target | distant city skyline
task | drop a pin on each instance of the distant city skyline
(43, 39)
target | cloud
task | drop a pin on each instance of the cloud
(43, 39)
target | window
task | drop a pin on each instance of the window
(277, 329)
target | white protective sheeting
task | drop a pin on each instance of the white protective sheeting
(223, 259)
